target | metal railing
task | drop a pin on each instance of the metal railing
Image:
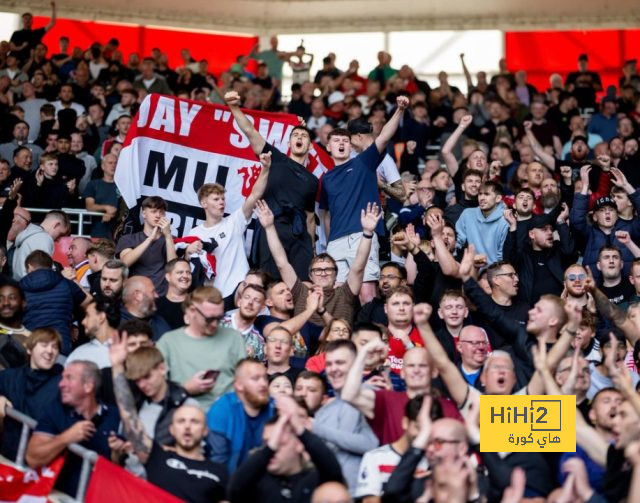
(78, 217)
(89, 457)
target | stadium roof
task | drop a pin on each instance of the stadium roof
(318, 16)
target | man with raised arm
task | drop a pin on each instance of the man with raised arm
(226, 234)
(498, 376)
(290, 193)
(183, 469)
(348, 188)
(385, 408)
(338, 302)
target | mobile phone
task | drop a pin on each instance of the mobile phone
(211, 374)
(118, 435)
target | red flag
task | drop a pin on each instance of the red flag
(29, 485)
(111, 483)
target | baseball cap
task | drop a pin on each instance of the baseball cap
(579, 138)
(604, 201)
(335, 97)
(540, 221)
(359, 126)
(583, 57)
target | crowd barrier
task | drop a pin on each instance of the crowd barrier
(89, 457)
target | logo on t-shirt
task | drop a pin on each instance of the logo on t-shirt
(176, 464)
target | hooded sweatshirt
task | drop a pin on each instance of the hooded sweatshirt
(487, 234)
(34, 237)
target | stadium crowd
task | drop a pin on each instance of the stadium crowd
(479, 241)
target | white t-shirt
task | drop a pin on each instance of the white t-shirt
(387, 170)
(231, 258)
(376, 467)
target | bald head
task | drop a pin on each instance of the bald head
(416, 354)
(473, 331)
(331, 492)
(188, 411)
(449, 428)
(139, 296)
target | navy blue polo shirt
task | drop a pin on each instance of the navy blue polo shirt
(347, 189)
(57, 418)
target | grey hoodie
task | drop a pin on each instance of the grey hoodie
(34, 237)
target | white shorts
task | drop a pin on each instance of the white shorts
(343, 251)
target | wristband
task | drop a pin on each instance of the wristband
(367, 236)
(324, 310)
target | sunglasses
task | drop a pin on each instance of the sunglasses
(208, 319)
(577, 277)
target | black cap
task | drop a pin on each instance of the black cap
(540, 221)
(583, 57)
(604, 201)
(580, 137)
(360, 126)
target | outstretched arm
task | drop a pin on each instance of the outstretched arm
(259, 187)
(447, 149)
(444, 257)
(467, 75)
(369, 220)
(133, 427)
(540, 380)
(452, 378)
(257, 142)
(52, 21)
(547, 159)
(361, 397)
(391, 126)
(287, 272)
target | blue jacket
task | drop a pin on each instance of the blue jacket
(591, 238)
(487, 234)
(232, 434)
(51, 299)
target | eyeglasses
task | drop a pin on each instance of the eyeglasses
(389, 277)
(577, 277)
(476, 344)
(323, 270)
(208, 319)
(512, 275)
(439, 442)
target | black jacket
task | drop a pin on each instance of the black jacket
(251, 482)
(29, 391)
(519, 252)
(515, 334)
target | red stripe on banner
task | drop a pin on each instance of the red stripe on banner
(111, 483)
(191, 123)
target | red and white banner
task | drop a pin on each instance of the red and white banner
(28, 486)
(176, 145)
(111, 483)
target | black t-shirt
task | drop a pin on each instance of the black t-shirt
(188, 479)
(543, 281)
(620, 293)
(171, 312)
(561, 121)
(33, 37)
(290, 185)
